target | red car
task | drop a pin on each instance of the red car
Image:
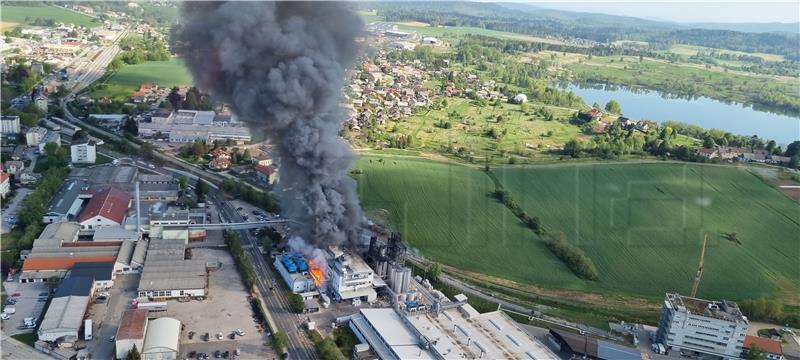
(15, 294)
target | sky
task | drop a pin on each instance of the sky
(686, 11)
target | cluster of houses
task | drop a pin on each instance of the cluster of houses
(385, 91)
(220, 159)
(147, 93)
(729, 153)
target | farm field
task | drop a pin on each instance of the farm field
(643, 235)
(455, 31)
(690, 50)
(446, 211)
(27, 14)
(121, 84)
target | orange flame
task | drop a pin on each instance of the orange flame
(316, 272)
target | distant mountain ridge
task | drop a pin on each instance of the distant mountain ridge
(749, 27)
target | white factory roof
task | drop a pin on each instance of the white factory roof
(162, 335)
(64, 314)
(493, 335)
(395, 340)
(54, 234)
(114, 233)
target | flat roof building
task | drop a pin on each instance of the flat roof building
(388, 335)
(692, 326)
(581, 345)
(66, 204)
(102, 273)
(64, 316)
(166, 274)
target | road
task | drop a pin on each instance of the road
(277, 303)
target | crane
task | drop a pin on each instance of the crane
(699, 267)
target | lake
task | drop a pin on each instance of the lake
(704, 112)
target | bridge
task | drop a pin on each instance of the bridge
(240, 225)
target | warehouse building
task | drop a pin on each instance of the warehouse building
(102, 273)
(64, 316)
(45, 263)
(294, 271)
(167, 275)
(131, 332)
(697, 327)
(582, 346)
(66, 204)
(106, 208)
(158, 188)
(122, 265)
(161, 339)
(115, 233)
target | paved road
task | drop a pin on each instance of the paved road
(13, 349)
(277, 303)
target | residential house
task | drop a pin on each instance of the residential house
(707, 153)
(219, 163)
(83, 152)
(5, 184)
(772, 348)
(14, 167)
(266, 174)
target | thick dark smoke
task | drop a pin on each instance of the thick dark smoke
(280, 65)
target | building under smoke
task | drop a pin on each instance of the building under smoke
(280, 66)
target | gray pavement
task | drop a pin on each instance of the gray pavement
(13, 349)
(106, 316)
(12, 208)
(28, 304)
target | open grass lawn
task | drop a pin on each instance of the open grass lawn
(370, 16)
(8, 240)
(27, 14)
(121, 84)
(641, 224)
(469, 124)
(691, 50)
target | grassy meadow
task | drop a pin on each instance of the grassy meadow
(641, 224)
(122, 83)
(27, 14)
(450, 32)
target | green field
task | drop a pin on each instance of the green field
(690, 50)
(449, 32)
(642, 224)
(121, 84)
(27, 14)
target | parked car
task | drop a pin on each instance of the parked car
(191, 335)
(44, 293)
(220, 336)
(4, 316)
(232, 336)
(240, 332)
(11, 301)
(217, 354)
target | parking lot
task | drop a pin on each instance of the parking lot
(28, 304)
(10, 212)
(107, 315)
(225, 309)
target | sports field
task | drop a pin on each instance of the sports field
(27, 14)
(121, 84)
(641, 224)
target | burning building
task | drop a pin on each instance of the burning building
(350, 278)
(295, 272)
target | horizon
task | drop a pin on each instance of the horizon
(719, 12)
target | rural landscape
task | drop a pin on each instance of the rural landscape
(586, 176)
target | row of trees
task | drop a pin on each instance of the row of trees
(533, 223)
(32, 210)
(572, 256)
(194, 100)
(263, 200)
(240, 258)
(769, 310)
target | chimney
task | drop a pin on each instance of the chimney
(138, 209)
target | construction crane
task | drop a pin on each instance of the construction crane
(699, 267)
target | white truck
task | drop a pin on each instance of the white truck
(87, 329)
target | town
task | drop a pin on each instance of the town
(145, 218)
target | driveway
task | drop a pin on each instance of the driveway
(12, 208)
(106, 316)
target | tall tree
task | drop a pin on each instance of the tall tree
(175, 98)
(613, 107)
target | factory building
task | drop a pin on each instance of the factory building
(350, 278)
(64, 316)
(158, 187)
(294, 271)
(130, 332)
(699, 327)
(458, 332)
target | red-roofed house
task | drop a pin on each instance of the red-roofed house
(266, 174)
(5, 184)
(707, 153)
(107, 207)
(219, 163)
(771, 348)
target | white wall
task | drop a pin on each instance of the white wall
(123, 346)
(97, 222)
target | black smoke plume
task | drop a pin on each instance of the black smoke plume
(280, 65)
